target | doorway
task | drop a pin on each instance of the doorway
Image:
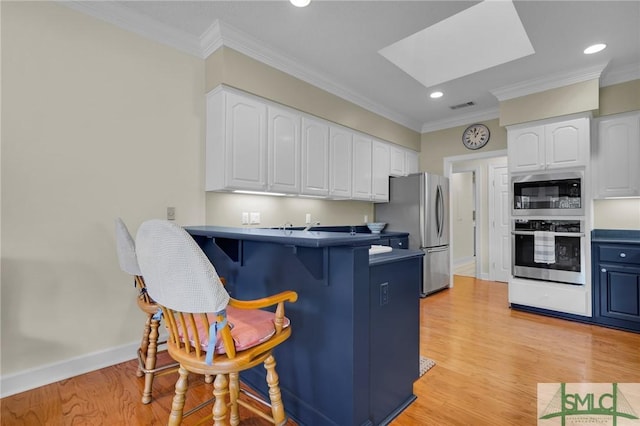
(486, 211)
(463, 208)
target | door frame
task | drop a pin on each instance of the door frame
(448, 163)
(491, 168)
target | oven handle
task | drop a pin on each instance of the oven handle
(555, 234)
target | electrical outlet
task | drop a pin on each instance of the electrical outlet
(171, 213)
(245, 218)
(384, 294)
(254, 218)
(366, 219)
(307, 218)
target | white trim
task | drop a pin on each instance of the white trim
(621, 75)
(494, 252)
(547, 83)
(249, 46)
(43, 375)
(138, 23)
(447, 170)
(447, 123)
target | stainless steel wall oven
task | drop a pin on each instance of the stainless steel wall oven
(549, 250)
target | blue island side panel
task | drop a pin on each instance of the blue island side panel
(324, 365)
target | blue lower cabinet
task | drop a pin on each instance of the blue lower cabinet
(352, 357)
(395, 334)
(616, 279)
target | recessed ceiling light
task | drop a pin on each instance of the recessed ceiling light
(436, 95)
(594, 48)
(300, 3)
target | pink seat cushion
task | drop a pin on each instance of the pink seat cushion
(249, 327)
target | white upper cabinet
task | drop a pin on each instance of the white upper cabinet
(340, 163)
(567, 143)
(315, 157)
(555, 145)
(257, 145)
(361, 168)
(283, 150)
(616, 156)
(236, 133)
(402, 162)
(380, 153)
(397, 161)
(411, 162)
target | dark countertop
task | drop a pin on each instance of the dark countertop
(395, 255)
(620, 236)
(309, 238)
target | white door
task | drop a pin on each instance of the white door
(246, 143)
(340, 142)
(380, 171)
(284, 151)
(361, 168)
(500, 240)
(567, 143)
(315, 157)
(526, 149)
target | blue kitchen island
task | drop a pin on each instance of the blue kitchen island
(354, 352)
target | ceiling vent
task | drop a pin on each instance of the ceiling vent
(464, 105)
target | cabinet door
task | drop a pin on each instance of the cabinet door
(620, 293)
(616, 156)
(525, 149)
(315, 157)
(380, 171)
(567, 143)
(361, 168)
(284, 151)
(397, 164)
(245, 142)
(341, 159)
(411, 162)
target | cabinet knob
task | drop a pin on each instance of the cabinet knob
(400, 244)
(603, 270)
(623, 254)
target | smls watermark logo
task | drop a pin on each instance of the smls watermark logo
(574, 404)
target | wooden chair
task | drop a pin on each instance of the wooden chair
(147, 352)
(209, 332)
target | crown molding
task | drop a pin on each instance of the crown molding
(547, 83)
(138, 23)
(462, 120)
(222, 34)
(621, 75)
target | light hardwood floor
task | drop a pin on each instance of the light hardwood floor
(489, 360)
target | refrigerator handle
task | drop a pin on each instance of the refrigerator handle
(441, 212)
(438, 203)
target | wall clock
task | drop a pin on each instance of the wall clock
(475, 136)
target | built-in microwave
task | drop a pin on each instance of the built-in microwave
(548, 194)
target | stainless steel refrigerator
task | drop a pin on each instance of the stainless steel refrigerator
(419, 204)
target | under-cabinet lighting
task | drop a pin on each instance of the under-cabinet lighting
(312, 196)
(275, 194)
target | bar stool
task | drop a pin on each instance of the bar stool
(210, 332)
(147, 352)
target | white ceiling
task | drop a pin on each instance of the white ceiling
(336, 45)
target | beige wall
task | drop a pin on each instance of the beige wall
(619, 98)
(237, 70)
(578, 97)
(616, 214)
(444, 143)
(96, 123)
(226, 209)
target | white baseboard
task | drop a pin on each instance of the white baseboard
(463, 260)
(484, 276)
(35, 377)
